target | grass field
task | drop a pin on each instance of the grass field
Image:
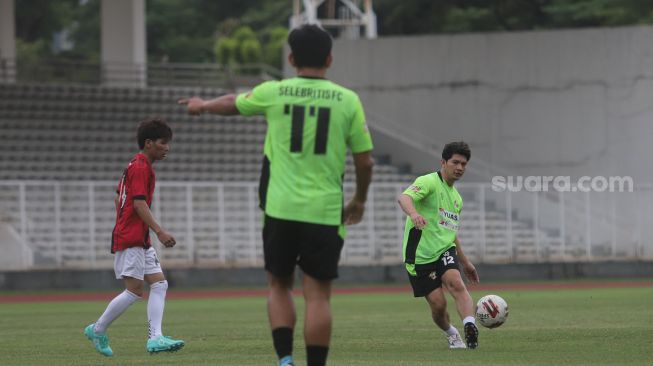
(611, 326)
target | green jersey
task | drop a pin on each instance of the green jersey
(440, 205)
(311, 123)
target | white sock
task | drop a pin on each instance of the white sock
(451, 331)
(155, 305)
(469, 319)
(116, 307)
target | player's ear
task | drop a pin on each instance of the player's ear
(291, 59)
(328, 62)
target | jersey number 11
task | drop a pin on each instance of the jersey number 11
(297, 128)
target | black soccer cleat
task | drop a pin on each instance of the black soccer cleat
(471, 335)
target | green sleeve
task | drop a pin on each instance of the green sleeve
(419, 189)
(257, 100)
(359, 135)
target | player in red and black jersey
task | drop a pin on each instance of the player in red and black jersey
(135, 187)
(135, 259)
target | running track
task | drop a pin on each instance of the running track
(205, 294)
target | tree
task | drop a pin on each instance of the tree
(226, 50)
(39, 19)
(273, 41)
(195, 31)
(242, 46)
(452, 16)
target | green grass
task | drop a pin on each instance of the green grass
(545, 327)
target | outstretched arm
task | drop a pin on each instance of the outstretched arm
(468, 267)
(355, 208)
(224, 105)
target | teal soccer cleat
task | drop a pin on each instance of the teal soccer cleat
(286, 361)
(164, 344)
(100, 341)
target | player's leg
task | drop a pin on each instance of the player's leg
(156, 303)
(96, 332)
(157, 342)
(453, 282)
(128, 266)
(133, 292)
(320, 253)
(282, 316)
(280, 253)
(317, 322)
(438, 305)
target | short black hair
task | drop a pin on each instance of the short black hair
(456, 147)
(153, 128)
(310, 46)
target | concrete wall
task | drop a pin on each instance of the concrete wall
(123, 42)
(16, 254)
(570, 102)
(7, 41)
(214, 277)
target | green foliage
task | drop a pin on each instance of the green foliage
(31, 52)
(194, 31)
(226, 50)
(465, 19)
(250, 51)
(274, 40)
(85, 32)
(241, 46)
(39, 19)
(599, 12)
(243, 34)
(180, 31)
(424, 16)
(410, 17)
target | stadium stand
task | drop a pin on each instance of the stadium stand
(63, 147)
(86, 133)
(67, 145)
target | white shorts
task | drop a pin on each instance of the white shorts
(136, 262)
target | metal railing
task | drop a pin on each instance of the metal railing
(68, 224)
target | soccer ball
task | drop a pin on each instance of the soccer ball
(491, 311)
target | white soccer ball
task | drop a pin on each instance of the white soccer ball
(491, 311)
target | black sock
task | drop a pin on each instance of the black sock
(282, 339)
(316, 355)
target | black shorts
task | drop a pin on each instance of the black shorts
(429, 276)
(314, 247)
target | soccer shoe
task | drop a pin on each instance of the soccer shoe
(286, 361)
(100, 341)
(471, 335)
(164, 344)
(455, 341)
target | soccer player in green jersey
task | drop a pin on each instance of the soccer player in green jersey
(311, 124)
(431, 248)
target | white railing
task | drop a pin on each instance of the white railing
(68, 224)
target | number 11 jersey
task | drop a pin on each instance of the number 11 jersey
(311, 123)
